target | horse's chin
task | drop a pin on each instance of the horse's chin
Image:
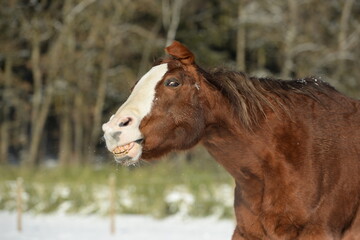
(130, 157)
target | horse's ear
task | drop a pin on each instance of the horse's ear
(180, 52)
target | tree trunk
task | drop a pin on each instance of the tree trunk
(290, 36)
(147, 48)
(65, 136)
(342, 41)
(38, 129)
(174, 22)
(5, 122)
(37, 76)
(94, 127)
(241, 37)
(261, 58)
(78, 142)
(41, 104)
(100, 97)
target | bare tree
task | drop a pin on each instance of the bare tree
(149, 46)
(6, 77)
(241, 36)
(290, 37)
(173, 24)
(42, 98)
(109, 43)
(342, 37)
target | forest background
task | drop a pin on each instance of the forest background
(66, 66)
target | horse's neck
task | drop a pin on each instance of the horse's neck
(238, 150)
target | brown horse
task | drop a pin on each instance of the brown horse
(293, 147)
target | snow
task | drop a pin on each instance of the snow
(128, 227)
(182, 198)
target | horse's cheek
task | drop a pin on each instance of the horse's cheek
(155, 131)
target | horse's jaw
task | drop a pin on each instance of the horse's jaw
(128, 154)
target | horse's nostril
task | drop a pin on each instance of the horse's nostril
(125, 122)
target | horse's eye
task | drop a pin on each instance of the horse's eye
(172, 82)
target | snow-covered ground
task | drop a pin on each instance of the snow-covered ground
(128, 227)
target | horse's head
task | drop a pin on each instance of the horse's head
(163, 112)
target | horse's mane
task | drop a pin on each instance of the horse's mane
(251, 96)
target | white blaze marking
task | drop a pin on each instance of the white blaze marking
(136, 107)
(140, 101)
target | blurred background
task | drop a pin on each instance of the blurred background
(66, 66)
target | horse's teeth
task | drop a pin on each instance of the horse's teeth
(122, 149)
